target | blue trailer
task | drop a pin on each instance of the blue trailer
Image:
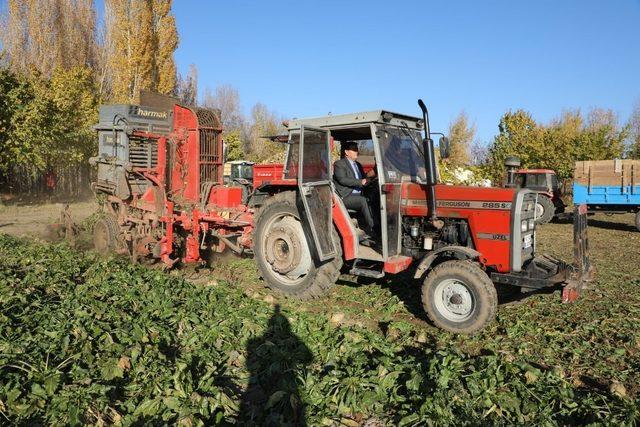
(608, 186)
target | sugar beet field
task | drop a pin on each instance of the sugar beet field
(87, 339)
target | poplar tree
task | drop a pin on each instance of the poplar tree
(140, 39)
(43, 35)
(167, 36)
(461, 134)
(144, 48)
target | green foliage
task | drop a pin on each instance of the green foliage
(264, 123)
(15, 94)
(519, 135)
(233, 144)
(89, 340)
(556, 146)
(74, 96)
(47, 123)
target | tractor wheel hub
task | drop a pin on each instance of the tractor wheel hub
(286, 248)
(454, 300)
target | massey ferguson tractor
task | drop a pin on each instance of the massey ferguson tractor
(544, 182)
(160, 183)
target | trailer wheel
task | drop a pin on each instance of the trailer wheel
(105, 235)
(545, 210)
(283, 255)
(638, 220)
(459, 297)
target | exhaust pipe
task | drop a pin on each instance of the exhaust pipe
(511, 164)
(429, 163)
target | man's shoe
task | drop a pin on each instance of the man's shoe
(363, 239)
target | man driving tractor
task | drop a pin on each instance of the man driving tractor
(350, 179)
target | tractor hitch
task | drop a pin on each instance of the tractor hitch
(581, 272)
(544, 271)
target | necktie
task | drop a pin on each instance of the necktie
(356, 171)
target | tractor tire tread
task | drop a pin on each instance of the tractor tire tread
(484, 287)
(325, 274)
(549, 210)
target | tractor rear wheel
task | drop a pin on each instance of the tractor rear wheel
(459, 297)
(545, 210)
(282, 251)
(638, 220)
(106, 235)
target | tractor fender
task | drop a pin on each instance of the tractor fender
(460, 252)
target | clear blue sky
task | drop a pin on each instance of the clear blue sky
(306, 58)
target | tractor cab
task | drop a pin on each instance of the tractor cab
(239, 173)
(389, 145)
(543, 181)
(238, 170)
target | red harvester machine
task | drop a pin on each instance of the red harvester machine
(161, 188)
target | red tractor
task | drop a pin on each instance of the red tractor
(160, 180)
(542, 181)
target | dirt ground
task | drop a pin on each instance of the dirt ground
(32, 218)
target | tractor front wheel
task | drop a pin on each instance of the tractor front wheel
(459, 297)
(283, 255)
(638, 220)
(545, 210)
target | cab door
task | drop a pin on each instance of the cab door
(316, 191)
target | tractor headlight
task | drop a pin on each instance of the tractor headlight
(523, 226)
(532, 224)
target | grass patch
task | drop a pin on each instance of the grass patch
(91, 340)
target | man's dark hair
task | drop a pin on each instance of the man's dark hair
(348, 145)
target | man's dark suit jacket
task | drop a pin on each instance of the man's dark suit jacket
(344, 177)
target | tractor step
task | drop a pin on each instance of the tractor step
(365, 269)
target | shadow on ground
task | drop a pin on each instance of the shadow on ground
(612, 225)
(276, 361)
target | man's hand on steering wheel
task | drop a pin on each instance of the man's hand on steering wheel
(370, 180)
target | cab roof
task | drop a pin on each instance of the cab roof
(240, 162)
(539, 171)
(358, 119)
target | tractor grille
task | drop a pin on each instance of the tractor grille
(210, 159)
(523, 234)
(210, 148)
(527, 242)
(143, 153)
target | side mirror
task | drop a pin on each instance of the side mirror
(445, 147)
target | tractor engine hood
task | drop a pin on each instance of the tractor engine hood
(459, 197)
